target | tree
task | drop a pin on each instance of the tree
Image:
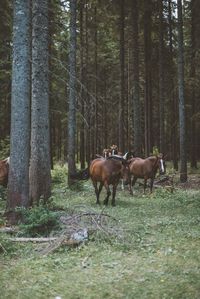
(72, 93)
(136, 84)
(148, 77)
(172, 96)
(5, 68)
(18, 186)
(161, 77)
(122, 78)
(82, 91)
(195, 10)
(40, 175)
(182, 130)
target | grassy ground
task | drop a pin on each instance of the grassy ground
(159, 256)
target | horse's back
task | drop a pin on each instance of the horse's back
(140, 167)
(102, 169)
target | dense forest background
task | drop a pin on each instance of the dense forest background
(136, 72)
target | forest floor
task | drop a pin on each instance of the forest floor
(149, 247)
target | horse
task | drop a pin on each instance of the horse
(108, 172)
(114, 149)
(106, 152)
(4, 169)
(146, 169)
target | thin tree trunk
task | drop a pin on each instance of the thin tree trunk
(193, 143)
(148, 90)
(183, 157)
(122, 79)
(136, 88)
(82, 93)
(161, 78)
(72, 94)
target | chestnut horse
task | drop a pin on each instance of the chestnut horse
(108, 172)
(146, 169)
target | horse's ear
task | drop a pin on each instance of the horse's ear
(164, 156)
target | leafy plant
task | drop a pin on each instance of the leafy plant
(39, 221)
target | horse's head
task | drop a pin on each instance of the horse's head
(161, 161)
(126, 175)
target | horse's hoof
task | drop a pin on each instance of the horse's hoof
(113, 204)
(105, 203)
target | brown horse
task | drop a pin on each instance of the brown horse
(4, 169)
(108, 172)
(146, 169)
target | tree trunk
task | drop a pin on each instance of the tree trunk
(183, 157)
(148, 88)
(122, 79)
(161, 78)
(18, 186)
(136, 84)
(40, 166)
(72, 94)
(82, 93)
(194, 50)
(172, 96)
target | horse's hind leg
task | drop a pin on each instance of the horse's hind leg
(108, 193)
(132, 183)
(97, 192)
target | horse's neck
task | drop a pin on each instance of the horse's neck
(154, 161)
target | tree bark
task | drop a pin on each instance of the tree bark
(18, 186)
(40, 166)
(182, 129)
(72, 94)
(136, 83)
(148, 112)
(161, 78)
(122, 79)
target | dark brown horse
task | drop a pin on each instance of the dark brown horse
(146, 169)
(108, 172)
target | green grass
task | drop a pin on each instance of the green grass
(159, 256)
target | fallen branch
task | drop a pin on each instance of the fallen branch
(35, 240)
(8, 229)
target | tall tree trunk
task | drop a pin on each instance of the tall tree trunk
(18, 186)
(122, 79)
(172, 95)
(136, 84)
(82, 93)
(148, 88)
(195, 23)
(183, 157)
(161, 78)
(40, 166)
(72, 94)
(96, 121)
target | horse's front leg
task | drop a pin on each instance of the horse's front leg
(151, 184)
(108, 193)
(145, 184)
(113, 195)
